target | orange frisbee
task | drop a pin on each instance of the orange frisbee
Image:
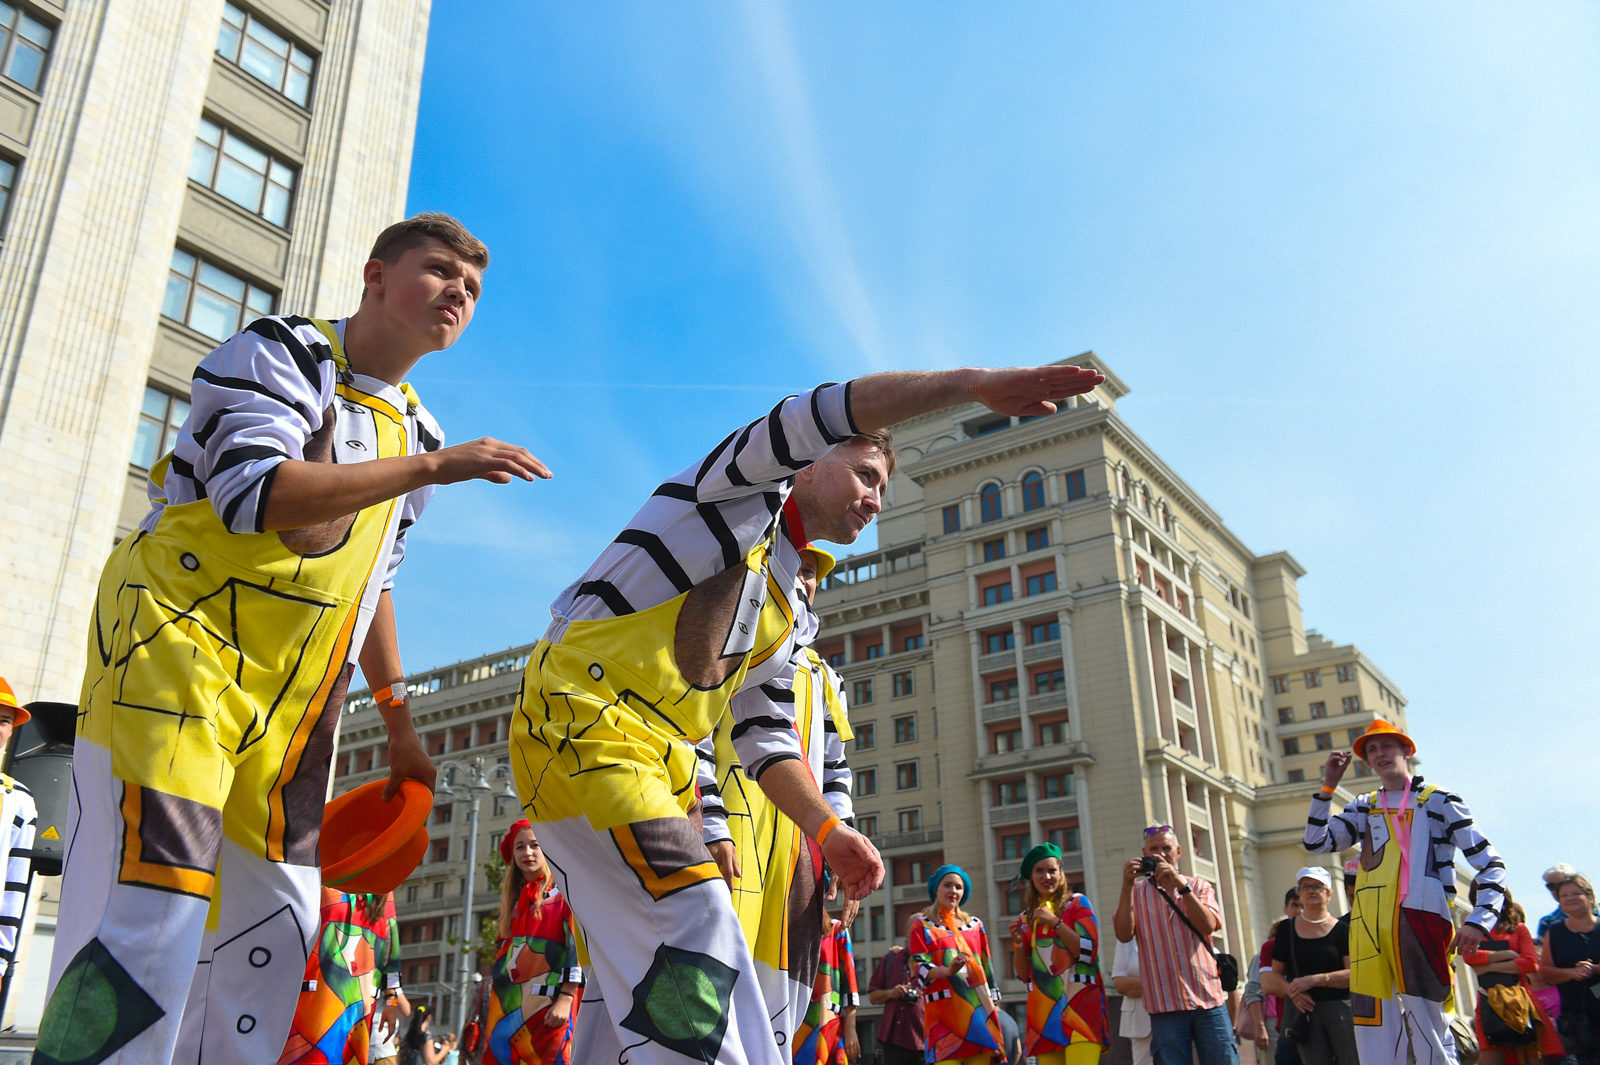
(370, 846)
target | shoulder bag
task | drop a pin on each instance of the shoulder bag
(1227, 964)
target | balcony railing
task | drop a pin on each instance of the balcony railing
(910, 892)
(1001, 710)
(1008, 815)
(1046, 702)
(914, 838)
(1065, 807)
(996, 661)
(1040, 651)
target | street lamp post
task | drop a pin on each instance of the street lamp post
(476, 786)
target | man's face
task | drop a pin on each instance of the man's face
(8, 721)
(842, 492)
(1385, 754)
(1292, 907)
(1163, 845)
(430, 292)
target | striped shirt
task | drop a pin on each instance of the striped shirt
(18, 820)
(1176, 970)
(1450, 828)
(256, 400)
(710, 516)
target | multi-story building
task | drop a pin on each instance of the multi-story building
(169, 169)
(1058, 639)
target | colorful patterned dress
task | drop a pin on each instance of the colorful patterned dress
(958, 1011)
(1066, 996)
(357, 956)
(820, 1038)
(529, 969)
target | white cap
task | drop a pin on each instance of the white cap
(1317, 873)
(1557, 873)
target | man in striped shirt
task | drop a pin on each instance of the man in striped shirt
(223, 639)
(1177, 971)
(695, 599)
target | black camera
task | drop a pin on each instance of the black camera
(1147, 865)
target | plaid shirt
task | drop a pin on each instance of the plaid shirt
(1175, 968)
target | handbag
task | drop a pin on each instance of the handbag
(1499, 1008)
(1227, 964)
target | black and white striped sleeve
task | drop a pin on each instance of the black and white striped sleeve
(1459, 832)
(1328, 832)
(713, 810)
(763, 724)
(15, 835)
(255, 401)
(836, 776)
(772, 449)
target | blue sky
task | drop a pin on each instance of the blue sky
(1345, 255)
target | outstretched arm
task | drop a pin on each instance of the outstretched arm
(885, 398)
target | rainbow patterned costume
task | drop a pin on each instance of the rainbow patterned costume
(820, 1038)
(958, 1018)
(358, 944)
(1066, 996)
(538, 957)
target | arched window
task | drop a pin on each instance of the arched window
(1126, 482)
(989, 502)
(1032, 491)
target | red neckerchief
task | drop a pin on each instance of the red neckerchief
(793, 527)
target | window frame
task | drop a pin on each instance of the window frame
(12, 34)
(221, 155)
(237, 59)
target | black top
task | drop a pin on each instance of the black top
(1568, 948)
(1307, 957)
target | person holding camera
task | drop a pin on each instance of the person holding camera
(1311, 971)
(1173, 917)
(893, 986)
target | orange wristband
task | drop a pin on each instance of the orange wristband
(827, 826)
(385, 696)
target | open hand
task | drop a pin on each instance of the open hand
(1025, 391)
(487, 459)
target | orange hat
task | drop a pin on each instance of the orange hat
(1380, 727)
(369, 847)
(9, 698)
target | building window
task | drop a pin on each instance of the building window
(1319, 709)
(1354, 734)
(1296, 775)
(994, 550)
(250, 177)
(438, 893)
(904, 683)
(25, 44)
(836, 659)
(1066, 838)
(439, 850)
(1011, 891)
(909, 820)
(905, 729)
(861, 692)
(996, 594)
(8, 181)
(872, 650)
(1052, 733)
(1001, 690)
(1010, 792)
(1044, 631)
(866, 735)
(989, 508)
(912, 642)
(1049, 680)
(905, 776)
(1346, 673)
(877, 926)
(952, 518)
(1057, 786)
(1075, 486)
(1280, 685)
(866, 782)
(1350, 704)
(1041, 583)
(160, 417)
(1313, 678)
(210, 300)
(1038, 539)
(1324, 741)
(868, 825)
(1032, 491)
(1003, 740)
(411, 893)
(1291, 745)
(995, 642)
(1285, 715)
(265, 55)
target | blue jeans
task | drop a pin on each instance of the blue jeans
(1184, 1036)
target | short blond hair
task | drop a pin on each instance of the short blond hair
(401, 237)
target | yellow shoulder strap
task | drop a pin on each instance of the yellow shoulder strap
(830, 695)
(343, 362)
